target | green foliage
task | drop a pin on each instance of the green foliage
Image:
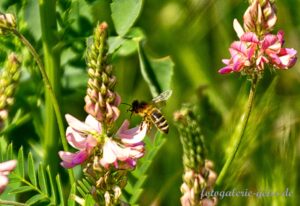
(134, 187)
(156, 72)
(196, 35)
(43, 187)
(125, 13)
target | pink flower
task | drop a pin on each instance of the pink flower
(124, 151)
(5, 169)
(251, 53)
(242, 53)
(281, 58)
(80, 135)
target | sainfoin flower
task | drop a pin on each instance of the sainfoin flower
(120, 151)
(80, 135)
(257, 47)
(5, 169)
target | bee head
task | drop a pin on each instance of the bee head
(134, 105)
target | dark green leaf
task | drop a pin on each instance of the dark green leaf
(125, 13)
(31, 170)
(156, 72)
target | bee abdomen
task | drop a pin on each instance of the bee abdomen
(159, 121)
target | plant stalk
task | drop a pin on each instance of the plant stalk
(51, 100)
(239, 132)
(7, 202)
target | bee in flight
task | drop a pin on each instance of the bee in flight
(150, 111)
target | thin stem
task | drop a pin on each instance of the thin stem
(7, 202)
(51, 92)
(239, 132)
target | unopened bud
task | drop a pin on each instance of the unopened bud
(260, 17)
(7, 22)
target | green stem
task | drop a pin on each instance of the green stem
(50, 90)
(239, 132)
(52, 68)
(7, 202)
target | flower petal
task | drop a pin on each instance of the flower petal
(93, 123)
(8, 166)
(3, 183)
(72, 159)
(238, 28)
(76, 124)
(134, 135)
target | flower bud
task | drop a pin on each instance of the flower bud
(7, 22)
(260, 17)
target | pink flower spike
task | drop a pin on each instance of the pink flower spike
(5, 169)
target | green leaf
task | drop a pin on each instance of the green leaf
(89, 201)
(83, 187)
(71, 200)
(125, 13)
(127, 48)
(134, 185)
(31, 170)
(114, 43)
(36, 198)
(156, 72)
(10, 154)
(21, 189)
(52, 185)
(21, 169)
(60, 191)
(42, 179)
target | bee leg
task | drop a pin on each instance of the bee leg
(149, 125)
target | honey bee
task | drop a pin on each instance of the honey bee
(150, 111)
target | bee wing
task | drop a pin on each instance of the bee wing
(162, 97)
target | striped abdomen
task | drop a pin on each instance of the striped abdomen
(159, 120)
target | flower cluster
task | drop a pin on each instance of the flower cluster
(7, 23)
(5, 169)
(256, 46)
(198, 173)
(105, 155)
(8, 80)
(122, 151)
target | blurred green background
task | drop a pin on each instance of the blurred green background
(196, 34)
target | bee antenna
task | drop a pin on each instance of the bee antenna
(130, 107)
(126, 104)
